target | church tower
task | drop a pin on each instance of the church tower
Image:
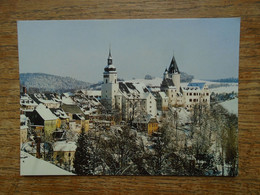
(110, 85)
(174, 74)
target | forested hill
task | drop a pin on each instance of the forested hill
(41, 82)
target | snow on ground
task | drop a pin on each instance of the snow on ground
(153, 82)
(218, 86)
(231, 106)
(229, 89)
(29, 165)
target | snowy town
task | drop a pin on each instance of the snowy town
(153, 126)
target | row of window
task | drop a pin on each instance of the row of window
(196, 100)
(195, 94)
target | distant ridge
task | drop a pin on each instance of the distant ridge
(41, 82)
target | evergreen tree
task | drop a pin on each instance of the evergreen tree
(82, 156)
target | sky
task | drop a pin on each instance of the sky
(205, 48)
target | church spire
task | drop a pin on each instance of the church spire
(109, 59)
(173, 68)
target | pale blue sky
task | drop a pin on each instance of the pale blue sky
(205, 48)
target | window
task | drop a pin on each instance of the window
(194, 93)
(207, 93)
(190, 100)
(106, 80)
(150, 102)
(190, 93)
(115, 80)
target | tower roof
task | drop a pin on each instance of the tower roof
(173, 68)
(110, 66)
(109, 55)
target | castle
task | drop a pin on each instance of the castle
(134, 98)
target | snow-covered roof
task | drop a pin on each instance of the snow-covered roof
(92, 92)
(29, 165)
(26, 100)
(45, 113)
(64, 146)
(191, 89)
(59, 113)
(133, 90)
(67, 100)
(73, 109)
(68, 94)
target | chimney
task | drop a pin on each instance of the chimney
(24, 90)
(38, 149)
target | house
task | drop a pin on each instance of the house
(63, 117)
(27, 104)
(146, 123)
(76, 117)
(42, 116)
(162, 101)
(48, 100)
(64, 153)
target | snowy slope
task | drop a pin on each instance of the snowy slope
(153, 82)
(217, 87)
(29, 165)
(231, 106)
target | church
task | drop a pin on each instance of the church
(133, 99)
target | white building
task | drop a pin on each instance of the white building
(134, 98)
(128, 98)
(185, 96)
(110, 85)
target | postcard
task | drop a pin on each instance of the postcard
(129, 97)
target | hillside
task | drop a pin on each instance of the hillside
(35, 82)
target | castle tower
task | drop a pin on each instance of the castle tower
(165, 74)
(174, 73)
(110, 85)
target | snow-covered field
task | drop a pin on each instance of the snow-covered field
(231, 106)
(33, 166)
(218, 86)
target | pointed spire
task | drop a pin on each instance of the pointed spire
(109, 55)
(173, 68)
(109, 59)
